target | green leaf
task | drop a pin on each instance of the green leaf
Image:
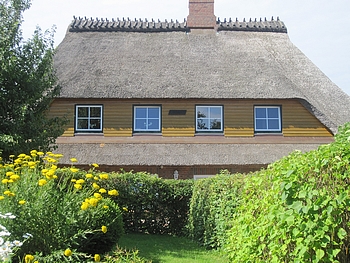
(341, 233)
(319, 254)
(297, 206)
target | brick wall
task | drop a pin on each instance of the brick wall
(201, 14)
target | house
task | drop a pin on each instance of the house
(185, 99)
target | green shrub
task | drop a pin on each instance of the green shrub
(297, 210)
(213, 202)
(59, 208)
(153, 205)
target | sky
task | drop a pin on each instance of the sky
(319, 28)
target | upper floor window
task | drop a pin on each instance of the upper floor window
(88, 118)
(267, 118)
(209, 119)
(147, 118)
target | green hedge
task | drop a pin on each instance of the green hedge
(213, 202)
(297, 210)
(151, 204)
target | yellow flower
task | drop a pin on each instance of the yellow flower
(22, 155)
(96, 186)
(84, 206)
(14, 177)
(104, 229)
(96, 178)
(97, 258)
(4, 181)
(80, 181)
(104, 176)
(28, 258)
(9, 174)
(113, 192)
(98, 196)
(74, 170)
(73, 160)
(105, 206)
(12, 156)
(40, 153)
(31, 164)
(73, 180)
(22, 202)
(2, 197)
(93, 201)
(102, 191)
(68, 252)
(42, 182)
(89, 176)
(7, 192)
(78, 186)
(125, 209)
(95, 165)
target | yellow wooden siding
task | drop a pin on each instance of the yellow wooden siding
(117, 118)
(61, 109)
(298, 121)
(238, 116)
(178, 125)
(238, 119)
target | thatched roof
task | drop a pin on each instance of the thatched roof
(178, 154)
(198, 150)
(147, 59)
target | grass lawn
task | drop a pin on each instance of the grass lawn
(169, 249)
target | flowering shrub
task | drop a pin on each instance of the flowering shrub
(7, 248)
(63, 208)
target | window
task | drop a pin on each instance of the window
(88, 118)
(209, 119)
(147, 118)
(267, 118)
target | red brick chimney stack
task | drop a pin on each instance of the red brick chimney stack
(201, 14)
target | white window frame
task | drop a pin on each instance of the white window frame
(146, 119)
(88, 118)
(209, 118)
(278, 130)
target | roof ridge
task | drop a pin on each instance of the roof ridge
(83, 24)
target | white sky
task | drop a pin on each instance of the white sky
(319, 28)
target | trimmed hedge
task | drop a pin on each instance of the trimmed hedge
(151, 204)
(213, 203)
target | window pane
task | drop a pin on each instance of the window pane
(140, 124)
(95, 124)
(153, 113)
(95, 112)
(260, 113)
(272, 112)
(202, 124)
(83, 111)
(140, 112)
(82, 124)
(215, 124)
(215, 112)
(261, 124)
(274, 124)
(153, 124)
(202, 112)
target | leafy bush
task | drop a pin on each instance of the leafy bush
(152, 205)
(297, 210)
(59, 208)
(213, 202)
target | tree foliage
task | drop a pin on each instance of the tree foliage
(27, 84)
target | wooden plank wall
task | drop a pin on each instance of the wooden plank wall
(238, 116)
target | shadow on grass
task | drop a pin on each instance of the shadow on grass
(169, 249)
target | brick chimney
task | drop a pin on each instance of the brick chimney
(201, 14)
